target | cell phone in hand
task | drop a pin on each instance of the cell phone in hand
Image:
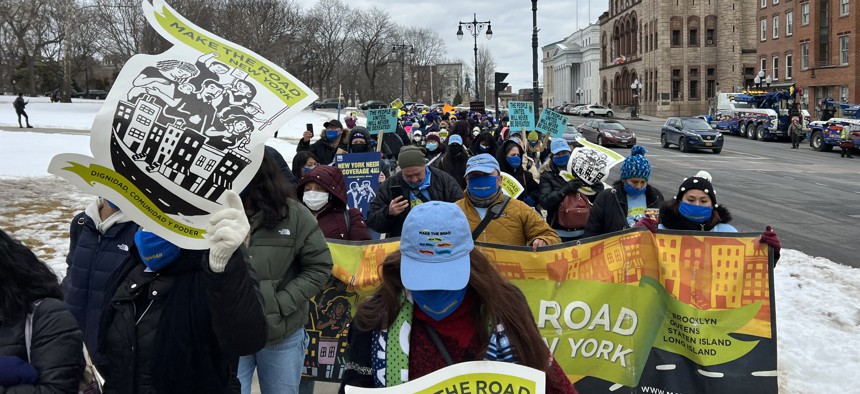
(309, 127)
(396, 190)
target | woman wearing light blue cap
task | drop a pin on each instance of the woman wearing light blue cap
(439, 286)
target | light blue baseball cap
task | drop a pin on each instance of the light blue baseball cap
(558, 145)
(484, 162)
(435, 244)
(455, 139)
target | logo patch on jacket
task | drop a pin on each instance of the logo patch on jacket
(284, 231)
(123, 247)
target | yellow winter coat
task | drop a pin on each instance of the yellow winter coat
(518, 225)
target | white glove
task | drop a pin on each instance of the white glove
(227, 229)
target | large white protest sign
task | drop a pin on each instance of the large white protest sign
(180, 128)
(470, 377)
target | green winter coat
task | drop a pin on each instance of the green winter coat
(293, 263)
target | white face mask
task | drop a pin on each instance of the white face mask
(315, 200)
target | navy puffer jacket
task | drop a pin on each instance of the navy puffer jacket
(93, 257)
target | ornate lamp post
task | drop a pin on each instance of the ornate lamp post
(636, 86)
(475, 28)
(401, 49)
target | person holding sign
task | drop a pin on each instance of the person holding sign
(442, 302)
(496, 218)
(511, 161)
(554, 188)
(179, 319)
(416, 183)
(629, 200)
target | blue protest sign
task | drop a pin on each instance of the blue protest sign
(552, 123)
(522, 115)
(361, 172)
(384, 120)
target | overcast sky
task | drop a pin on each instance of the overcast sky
(512, 27)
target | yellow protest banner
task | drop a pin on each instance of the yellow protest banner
(510, 186)
(470, 377)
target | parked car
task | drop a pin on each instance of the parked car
(690, 133)
(607, 132)
(567, 108)
(577, 111)
(328, 103)
(571, 134)
(94, 94)
(372, 104)
(591, 110)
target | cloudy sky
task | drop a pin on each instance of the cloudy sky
(512, 27)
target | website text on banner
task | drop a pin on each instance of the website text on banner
(684, 313)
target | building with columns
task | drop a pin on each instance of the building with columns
(571, 64)
(683, 52)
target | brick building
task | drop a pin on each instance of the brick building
(682, 52)
(810, 42)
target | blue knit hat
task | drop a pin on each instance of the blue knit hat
(636, 165)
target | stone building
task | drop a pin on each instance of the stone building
(571, 68)
(682, 52)
(811, 43)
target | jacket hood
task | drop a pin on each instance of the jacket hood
(502, 156)
(330, 178)
(671, 219)
(92, 211)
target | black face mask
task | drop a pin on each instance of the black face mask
(358, 148)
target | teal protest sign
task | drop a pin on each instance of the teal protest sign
(384, 120)
(552, 123)
(522, 115)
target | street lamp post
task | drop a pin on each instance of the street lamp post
(475, 28)
(759, 78)
(401, 49)
(636, 86)
(535, 58)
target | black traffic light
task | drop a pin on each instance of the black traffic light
(500, 86)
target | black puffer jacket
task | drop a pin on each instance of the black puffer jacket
(130, 327)
(609, 213)
(442, 188)
(553, 188)
(525, 178)
(55, 350)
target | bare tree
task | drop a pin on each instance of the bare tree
(123, 25)
(486, 72)
(429, 50)
(373, 46)
(327, 32)
(33, 25)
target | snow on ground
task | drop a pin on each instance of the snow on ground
(818, 318)
(43, 113)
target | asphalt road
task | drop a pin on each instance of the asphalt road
(810, 198)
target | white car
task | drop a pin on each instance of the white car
(591, 110)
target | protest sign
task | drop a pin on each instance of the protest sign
(552, 123)
(472, 377)
(361, 171)
(396, 104)
(476, 106)
(521, 115)
(591, 162)
(181, 128)
(510, 186)
(381, 120)
(674, 311)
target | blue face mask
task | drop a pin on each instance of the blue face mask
(438, 304)
(532, 143)
(695, 213)
(632, 190)
(431, 146)
(331, 135)
(306, 169)
(515, 161)
(156, 252)
(561, 161)
(484, 148)
(483, 186)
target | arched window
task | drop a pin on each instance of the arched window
(634, 34)
(603, 60)
(676, 25)
(693, 39)
(710, 30)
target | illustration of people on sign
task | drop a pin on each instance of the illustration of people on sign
(354, 195)
(366, 191)
(211, 69)
(335, 318)
(235, 135)
(163, 80)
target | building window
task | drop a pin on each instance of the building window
(843, 50)
(843, 8)
(775, 1)
(788, 61)
(677, 27)
(804, 14)
(676, 84)
(789, 23)
(694, 84)
(676, 38)
(694, 38)
(763, 29)
(844, 91)
(763, 3)
(712, 84)
(709, 37)
(693, 31)
(763, 64)
(775, 68)
(136, 134)
(804, 56)
(200, 161)
(776, 27)
(143, 120)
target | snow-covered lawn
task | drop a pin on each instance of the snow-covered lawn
(818, 313)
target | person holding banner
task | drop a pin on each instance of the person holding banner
(496, 218)
(177, 320)
(629, 200)
(554, 188)
(695, 208)
(512, 162)
(441, 302)
(293, 262)
(416, 183)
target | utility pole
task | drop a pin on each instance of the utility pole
(535, 58)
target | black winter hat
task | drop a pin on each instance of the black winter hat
(701, 181)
